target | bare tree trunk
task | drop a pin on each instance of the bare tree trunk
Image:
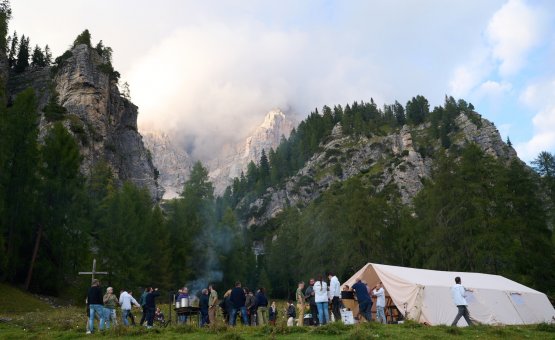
(33, 258)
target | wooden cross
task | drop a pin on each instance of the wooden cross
(93, 271)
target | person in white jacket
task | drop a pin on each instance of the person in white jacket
(379, 293)
(321, 299)
(125, 301)
(335, 296)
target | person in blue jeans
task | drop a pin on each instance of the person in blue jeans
(237, 299)
(96, 306)
(364, 299)
(321, 298)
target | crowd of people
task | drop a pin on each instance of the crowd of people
(103, 307)
(324, 296)
(251, 307)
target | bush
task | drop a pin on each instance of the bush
(53, 111)
(59, 61)
(546, 327)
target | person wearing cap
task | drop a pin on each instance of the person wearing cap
(96, 306)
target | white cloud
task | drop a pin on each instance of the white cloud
(541, 97)
(492, 88)
(512, 32)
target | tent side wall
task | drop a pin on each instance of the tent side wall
(432, 303)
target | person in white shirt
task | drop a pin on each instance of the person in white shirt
(335, 295)
(379, 293)
(125, 300)
(458, 293)
(321, 299)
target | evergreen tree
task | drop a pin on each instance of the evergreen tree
(47, 55)
(83, 38)
(38, 59)
(509, 143)
(417, 109)
(53, 111)
(60, 189)
(14, 43)
(18, 180)
(22, 55)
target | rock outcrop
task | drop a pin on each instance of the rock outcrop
(171, 161)
(101, 119)
(391, 160)
(234, 159)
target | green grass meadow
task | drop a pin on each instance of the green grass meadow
(23, 316)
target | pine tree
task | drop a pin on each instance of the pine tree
(264, 167)
(12, 60)
(22, 55)
(60, 187)
(18, 178)
(417, 109)
(83, 38)
(38, 59)
(47, 55)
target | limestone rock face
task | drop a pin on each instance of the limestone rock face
(485, 134)
(235, 158)
(171, 161)
(108, 120)
(390, 160)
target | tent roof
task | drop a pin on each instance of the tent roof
(426, 277)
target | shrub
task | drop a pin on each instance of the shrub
(545, 327)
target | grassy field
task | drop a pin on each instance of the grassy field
(23, 316)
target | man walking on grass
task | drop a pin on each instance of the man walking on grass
(458, 293)
(96, 306)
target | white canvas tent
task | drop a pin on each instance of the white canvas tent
(425, 296)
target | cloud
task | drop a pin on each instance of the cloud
(541, 97)
(210, 84)
(467, 76)
(212, 80)
(492, 88)
(512, 32)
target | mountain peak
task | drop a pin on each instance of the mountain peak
(235, 158)
(272, 118)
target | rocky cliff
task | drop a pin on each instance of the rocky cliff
(398, 159)
(102, 120)
(171, 161)
(235, 158)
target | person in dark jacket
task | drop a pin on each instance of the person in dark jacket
(203, 305)
(273, 313)
(150, 305)
(261, 303)
(364, 299)
(291, 314)
(250, 305)
(226, 307)
(142, 302)
(238, 299)
(96, 305)
(309, 296)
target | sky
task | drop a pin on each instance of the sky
(208, 71)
